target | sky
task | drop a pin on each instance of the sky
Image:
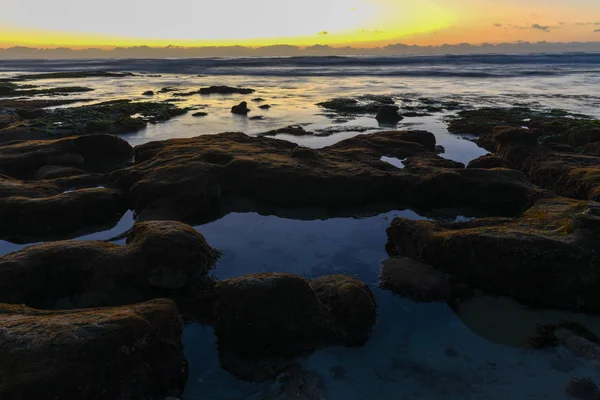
(364, 23)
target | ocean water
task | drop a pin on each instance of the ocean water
(417, 351)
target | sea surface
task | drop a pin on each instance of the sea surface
(417, 351)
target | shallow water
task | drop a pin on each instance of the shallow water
(420, 351)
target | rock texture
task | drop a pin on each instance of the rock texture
(184, 178)
(266, 320)
(130, 352)
(549, 256)
(160, 259)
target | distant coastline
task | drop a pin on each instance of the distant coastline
(19, 52)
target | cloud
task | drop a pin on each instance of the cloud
(539, 27)
(323, 33)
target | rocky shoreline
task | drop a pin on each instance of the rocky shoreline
(123, 306)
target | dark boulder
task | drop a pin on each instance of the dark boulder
(130, 352)
(388, 115)
(294, 130)
(264, 321)
(264, 107)
(149, 93)
(351, 307)
(241, 109)
(225, 90)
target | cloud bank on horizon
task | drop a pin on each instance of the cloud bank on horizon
(366, 23)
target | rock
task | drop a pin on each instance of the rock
(56, 171)
(388, 115)
(148, 93)
(567, 174)
(160, 259)
(187, 179)
(416, 281)
(536, 259)
(117, 117)
(120, 353)
(241, 109)
(257, 118)
(264, 107)
(258, 100)
(94, 152)
(351, 306)
(267, 316)
(266, 320)
(225, 90)
(368, 104)
(294, 130)
(29, 113)
(583, 389)
(40, 211)
(199, 114)
(299, 384)
(488, 162)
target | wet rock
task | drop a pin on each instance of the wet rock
(29, 113)
(190, 178)
(368, 104)
(257, 118)
(34, 211)
(388, 115)
(225, 90)
(416, 281)
(264, 107)
(266, 320)
(350, 305)
(488, 162)
(148, 93)
(241, 109)
(299, 384)
(94, 152)
(567, 174)
(160, 259)
(267, 316)
(120, 353)
(119, 116)
(56, 171)
(294, 130)
(199, 114)
(536, 258)
(258, 100)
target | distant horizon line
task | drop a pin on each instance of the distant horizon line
(145, 51)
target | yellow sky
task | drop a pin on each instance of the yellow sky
(365, 23)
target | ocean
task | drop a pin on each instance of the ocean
(417, 351)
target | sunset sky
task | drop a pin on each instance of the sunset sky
(366, 23)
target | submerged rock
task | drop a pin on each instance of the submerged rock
(188, 178)
(299, 384)
(241, 109)
(266, 320)
(388, 115)
(120, 353)
(416, 281)
(536, 259)
(160, 259)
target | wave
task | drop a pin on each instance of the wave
(465, 66)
